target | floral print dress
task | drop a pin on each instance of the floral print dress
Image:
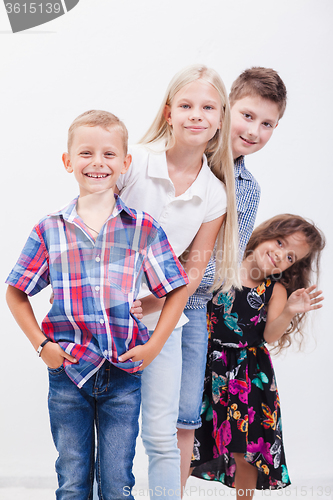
(241, 406)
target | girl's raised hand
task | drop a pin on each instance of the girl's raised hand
(304, 300)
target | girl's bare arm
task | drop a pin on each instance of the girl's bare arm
(195, 263)
(281, 311)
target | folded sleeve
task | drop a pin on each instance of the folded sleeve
(162, 268)
(31, 272)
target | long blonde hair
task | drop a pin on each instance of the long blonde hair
(220, 160)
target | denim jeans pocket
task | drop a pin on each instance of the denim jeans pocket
(56, 371)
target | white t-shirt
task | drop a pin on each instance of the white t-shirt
(147, 186)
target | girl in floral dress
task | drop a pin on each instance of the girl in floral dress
(240, 441)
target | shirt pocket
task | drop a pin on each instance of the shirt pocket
(124, 267)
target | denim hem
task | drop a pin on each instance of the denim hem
(186, 424)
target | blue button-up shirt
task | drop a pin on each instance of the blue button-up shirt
(247, 202)
(95, 282)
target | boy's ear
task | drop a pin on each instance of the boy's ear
(276, 124)
(167, 114)
(67, 162)
(127, 163)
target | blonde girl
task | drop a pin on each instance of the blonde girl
(182, 174)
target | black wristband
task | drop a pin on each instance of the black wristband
(40, 348)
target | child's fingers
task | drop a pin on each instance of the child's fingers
(53, 355)
(136, 309)
(70, 358)
(315, 294)
(316, 306)
(316, 301)
(124, 357)
(131, 354)
(137, 304)
(310, 289)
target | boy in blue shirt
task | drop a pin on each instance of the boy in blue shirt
(258, 100)
(94, 253)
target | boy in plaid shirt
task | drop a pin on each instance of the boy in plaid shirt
(94, 253)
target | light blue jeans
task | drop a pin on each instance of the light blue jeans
(160, 400)
(110, 403)
(194, 355)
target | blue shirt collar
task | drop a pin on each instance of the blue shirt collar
(240, 170)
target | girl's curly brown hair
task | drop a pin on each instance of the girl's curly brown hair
(299, 274)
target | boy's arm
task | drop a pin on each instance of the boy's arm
(172, 309)
(247, 218)
(281, 311)
(19, 304)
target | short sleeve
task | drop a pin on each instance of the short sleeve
(31, 272)
(162, 268)
(139, 157)
(216, 197)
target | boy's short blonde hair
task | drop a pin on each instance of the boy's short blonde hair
(98, 118)
(260, 82)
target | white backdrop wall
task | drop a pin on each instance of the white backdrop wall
(120, 56)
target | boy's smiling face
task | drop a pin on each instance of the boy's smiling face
(97, 158)
(253, 120)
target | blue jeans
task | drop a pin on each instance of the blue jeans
(110, 403)
(160, 400)
(194, 355)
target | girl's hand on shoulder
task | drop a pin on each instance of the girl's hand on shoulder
(304, 300)
(136, 309)
(53, 356)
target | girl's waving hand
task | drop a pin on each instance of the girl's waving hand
(303, 300)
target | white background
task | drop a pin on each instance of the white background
(120, 56)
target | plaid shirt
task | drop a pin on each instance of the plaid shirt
(95, 282)
(247, 201)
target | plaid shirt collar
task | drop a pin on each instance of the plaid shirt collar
(241, 171)
(69, 213)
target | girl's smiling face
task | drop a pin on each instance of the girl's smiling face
(275, 256)
(194, 114)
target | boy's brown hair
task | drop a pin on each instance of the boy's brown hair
(260, 82)
(98, 118)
